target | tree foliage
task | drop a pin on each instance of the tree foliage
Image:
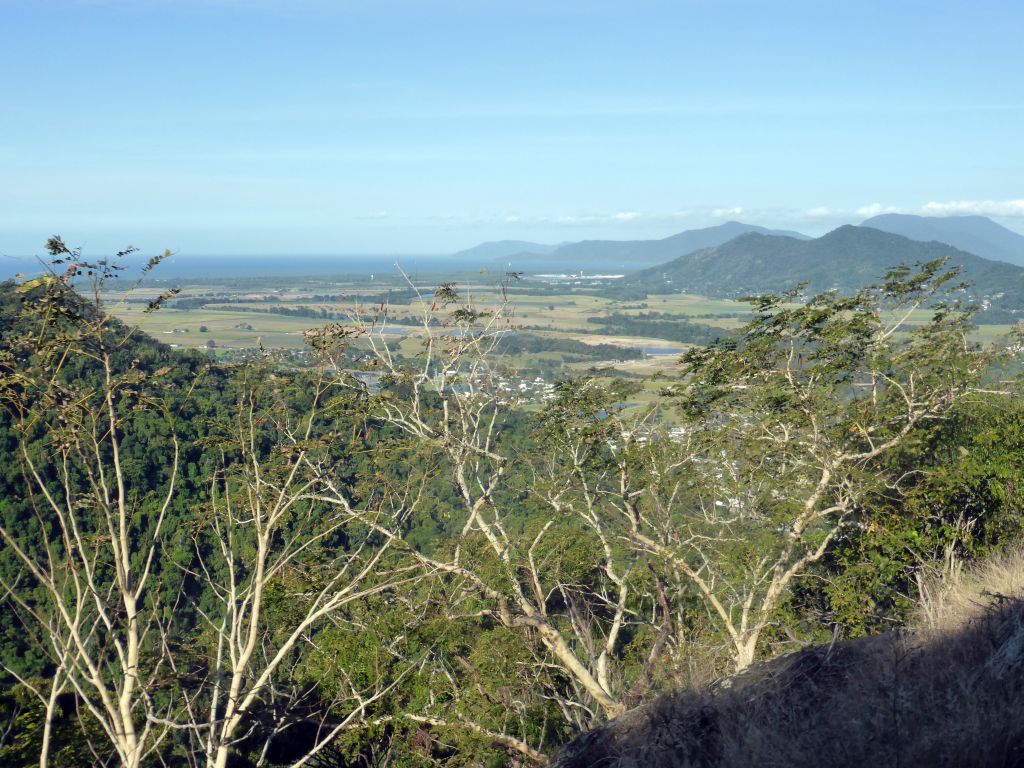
(255, 564)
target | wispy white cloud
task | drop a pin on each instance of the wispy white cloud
(877, 209)
(997, 208)
(597, 219)
(820, 212)
(630, 217)
(657, 223)
(621, 220)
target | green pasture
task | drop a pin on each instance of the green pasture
(563, 315)
(181, 327)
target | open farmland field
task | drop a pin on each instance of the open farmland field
(240, 316)
(181, 327)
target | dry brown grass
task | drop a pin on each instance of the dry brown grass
(948, 692)
(947, 604)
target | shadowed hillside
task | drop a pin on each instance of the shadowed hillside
(947, 693)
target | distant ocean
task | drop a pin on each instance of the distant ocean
(180, 267)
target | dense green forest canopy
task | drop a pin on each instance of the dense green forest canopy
(266, 564)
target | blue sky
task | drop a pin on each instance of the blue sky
(307, 126)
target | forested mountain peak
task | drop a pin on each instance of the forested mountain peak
(842, 259)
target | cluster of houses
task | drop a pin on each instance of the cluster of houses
(644, 434)
(524, 389)
(510, 389)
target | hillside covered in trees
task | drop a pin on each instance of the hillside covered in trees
(844, 259)
(380, 560)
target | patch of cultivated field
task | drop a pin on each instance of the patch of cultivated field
(640, 342)
(564, 315)
(231, 330)
(993, 333)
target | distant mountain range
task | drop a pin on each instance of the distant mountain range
(617, 254)
(844, 259)
(974, 234)
(501, 249)
(735, 259)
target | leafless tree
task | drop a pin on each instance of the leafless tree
(282, 562)
(86, 562)
(97, 582)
